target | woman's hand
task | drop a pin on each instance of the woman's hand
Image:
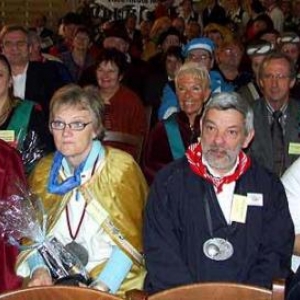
(40, 276)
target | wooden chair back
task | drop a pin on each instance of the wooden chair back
(214, 291)
(57, 292)
(126, 139)
(219, 291)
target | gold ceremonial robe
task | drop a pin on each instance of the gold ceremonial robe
(116, 193)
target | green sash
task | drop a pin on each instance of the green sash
(20, 120)
(174, 137)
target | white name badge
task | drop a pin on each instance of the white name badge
(239, 209)
(294, 148)
(255, 199)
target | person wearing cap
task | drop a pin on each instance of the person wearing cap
(256, 51)
(276, 115)
(201, 50)
(289, 43)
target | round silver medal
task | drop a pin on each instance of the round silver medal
(218, 249)
(79, 251)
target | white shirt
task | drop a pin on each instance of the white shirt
(291, 182)
(20, 84)
(90, 235)
(225, 198)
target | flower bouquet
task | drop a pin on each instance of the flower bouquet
(23, 223)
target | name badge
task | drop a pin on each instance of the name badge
(7, 135)
(254, 199)
(294, 148)
(239, 209)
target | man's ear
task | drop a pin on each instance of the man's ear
(248, 139)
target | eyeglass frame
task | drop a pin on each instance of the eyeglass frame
(275, 76)
(288, 39)
(201, 57)
(259, 49)
(69, 125)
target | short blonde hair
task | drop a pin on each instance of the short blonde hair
(87, 98)
(197, 71)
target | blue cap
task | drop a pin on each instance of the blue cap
(199, 43)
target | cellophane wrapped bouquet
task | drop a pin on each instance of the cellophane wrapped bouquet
(23, 223)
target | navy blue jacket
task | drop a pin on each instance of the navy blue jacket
(176, 228)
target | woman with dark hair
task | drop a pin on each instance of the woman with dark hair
(124, 111)
(22, 122)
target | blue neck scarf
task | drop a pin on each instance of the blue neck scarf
(62, 187)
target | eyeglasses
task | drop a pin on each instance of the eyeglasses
(18, 44)
(259, 49)
(293, 39)
(199, 57)
(76, 126)
(275, 76)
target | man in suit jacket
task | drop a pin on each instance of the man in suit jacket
(276, 78)
(34, 81)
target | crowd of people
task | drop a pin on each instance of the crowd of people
(213, 194)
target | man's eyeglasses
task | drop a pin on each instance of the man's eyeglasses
(18, 44)
(275, 76)
(76, 126)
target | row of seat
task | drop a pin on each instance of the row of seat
(199, 291)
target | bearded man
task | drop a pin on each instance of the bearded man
(216, 215)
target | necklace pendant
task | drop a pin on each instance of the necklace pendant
(218, 249)
(78, 251)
